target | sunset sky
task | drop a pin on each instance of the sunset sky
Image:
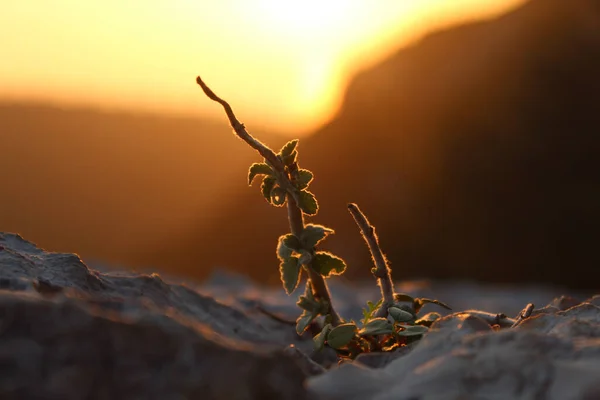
(282, 64)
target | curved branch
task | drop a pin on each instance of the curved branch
(240, 129)
(295, 216)
(381, 271)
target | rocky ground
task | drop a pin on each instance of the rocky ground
(70, 332)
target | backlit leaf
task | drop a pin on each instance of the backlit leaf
(290, 274)
(341, 335)
(307, 304)
(290, 159)
(327, 264)
(419, 303)
(319, 340)
(400, 315)
(428, 319)
(278, 196)
(304, 321)
(313, 234)
(304, 178)
(307, 202)
(258, 169)
(403, 297)
(377, 326)
(288, 148)
(413, 330)
(267, 185)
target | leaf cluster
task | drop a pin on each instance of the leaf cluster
(274, 187)
(401, 327)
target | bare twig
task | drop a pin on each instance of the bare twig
(381, 271)
(493, 319)
(295, 217)
(524, 314)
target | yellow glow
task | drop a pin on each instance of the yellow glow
(282, 64)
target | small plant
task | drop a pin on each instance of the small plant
(387, 324)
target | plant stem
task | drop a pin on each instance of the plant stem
(295, 217)
(319, 285)
(381, 271)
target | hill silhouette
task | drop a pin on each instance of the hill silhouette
(109, 185)
(474, 152)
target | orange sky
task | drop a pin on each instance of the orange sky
(282, 64)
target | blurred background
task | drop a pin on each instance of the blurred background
(466, 130)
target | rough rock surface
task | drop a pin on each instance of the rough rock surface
(551, 355)
(68, 332)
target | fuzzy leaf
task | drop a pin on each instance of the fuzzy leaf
(377, 326)
(267, 185)
(308, 292)
(290, 274)
(413, 330)
(292, 242)
(428, 319)
(327, 264)
(370, 310)
(283, 252)
(341, 335)
(400, 315)
(307, 304)
(419, 303)
(307, 202)
(304, 321)
(288, 148)
(304, 178)
(278, 196)
(403, 297)
(305, 257)
(319, 340)
(258, 169)
(290, 159)
(313, 234)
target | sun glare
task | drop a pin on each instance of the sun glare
(282, 63)
(313, 18)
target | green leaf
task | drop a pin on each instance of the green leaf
(278, 196)
(304, 321)
(428, 319)
(258, 169)
(377, 326)
(308, 292)
(313, 234)
(319, 340)
(288, 148)
(403, 297)
(370, 310)
(400, 315)
(292, 242)
(304, 178)
(341, 335)
(309, 305)
(267, 185)
(327, 264)
(290, 274)
(307, 202)
(413, 330)
(419, 303)
(284, 250)
(290, 159)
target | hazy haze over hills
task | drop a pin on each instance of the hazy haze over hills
(474, 151)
